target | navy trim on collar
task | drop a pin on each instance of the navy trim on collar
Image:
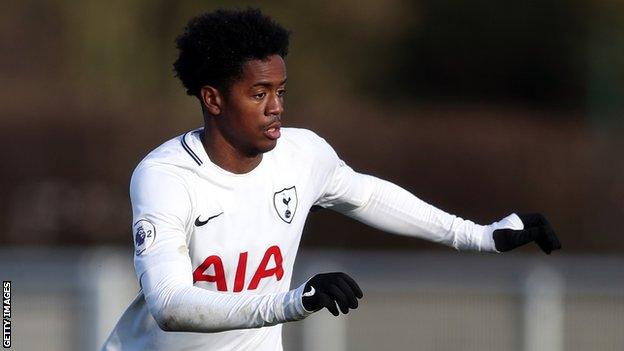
(190, 151)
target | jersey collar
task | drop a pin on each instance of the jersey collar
(192, 144)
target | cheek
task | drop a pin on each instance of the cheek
(246, 117)
(251, 112)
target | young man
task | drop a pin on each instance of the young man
(219, 211)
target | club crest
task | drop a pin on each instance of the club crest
(144, 235)
(285, 203)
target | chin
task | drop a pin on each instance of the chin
(262, 147)
(268, 146)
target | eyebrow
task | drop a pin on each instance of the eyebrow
(268, 84)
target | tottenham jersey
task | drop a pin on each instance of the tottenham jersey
(240, 232)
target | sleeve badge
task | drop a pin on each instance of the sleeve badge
(144, 235)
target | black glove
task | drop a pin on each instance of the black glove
(536, 228)
(329, 289)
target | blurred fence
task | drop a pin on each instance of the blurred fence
(69, 299)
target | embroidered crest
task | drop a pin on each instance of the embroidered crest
(285, 203)
(144, 235)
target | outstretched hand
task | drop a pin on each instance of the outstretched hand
(331, 289)
(536, 228)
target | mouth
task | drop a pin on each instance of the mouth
(273, 131)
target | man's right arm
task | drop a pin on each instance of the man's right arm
(161, 208)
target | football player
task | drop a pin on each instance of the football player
(218, 212)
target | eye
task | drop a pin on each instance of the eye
(259, 96)
(281, 92)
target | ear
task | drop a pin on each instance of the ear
(211, 99)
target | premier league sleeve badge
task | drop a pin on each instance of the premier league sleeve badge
(144, 235)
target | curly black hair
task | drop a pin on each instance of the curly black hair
(214, 47)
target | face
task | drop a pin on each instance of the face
(251, 112)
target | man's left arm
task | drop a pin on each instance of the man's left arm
(394, 209)
(390, 208)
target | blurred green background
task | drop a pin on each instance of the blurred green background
(481, 108)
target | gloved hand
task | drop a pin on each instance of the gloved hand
(329, 289)
(536, 228)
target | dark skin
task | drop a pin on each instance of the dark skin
(244, 122)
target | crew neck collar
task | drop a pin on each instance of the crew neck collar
(192, 144)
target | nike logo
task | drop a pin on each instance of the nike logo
(309, 293)
(199, 223)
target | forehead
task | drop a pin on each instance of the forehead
(272, 70)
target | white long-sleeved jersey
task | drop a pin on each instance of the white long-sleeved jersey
(214, 251)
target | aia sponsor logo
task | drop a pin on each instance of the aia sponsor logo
(263, 271)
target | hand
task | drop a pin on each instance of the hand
(329, 289)
(536, 228)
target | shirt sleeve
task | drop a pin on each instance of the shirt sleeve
(342, 189)
(390, 208)
(162, 208)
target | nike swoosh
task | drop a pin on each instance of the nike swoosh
(199, 223)
(309, 293)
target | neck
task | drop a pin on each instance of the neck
(225, 155)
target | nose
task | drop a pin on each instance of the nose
(275, 106)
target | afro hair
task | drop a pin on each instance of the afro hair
(214, 47)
